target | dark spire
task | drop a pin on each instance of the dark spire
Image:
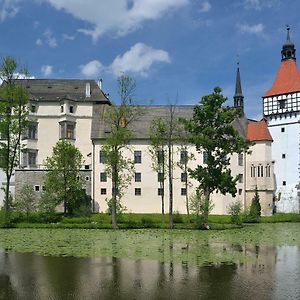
(288, 49)
(238, 96)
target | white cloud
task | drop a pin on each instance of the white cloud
(50, 39)
(116, 16)
(138, 60)
(68, 37)
(91, 69)
(39, 42)
(252, 29)
(47, 70)
(205, 6)
(8, 9)
(260, 4)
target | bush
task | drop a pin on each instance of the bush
(234, 209)
(253, 216)
(177, 218)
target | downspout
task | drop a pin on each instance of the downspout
(93, 176)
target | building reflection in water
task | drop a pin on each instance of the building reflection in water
(273, 274)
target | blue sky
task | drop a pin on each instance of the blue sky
(175, 49)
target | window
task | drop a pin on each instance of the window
(240, 178)
(281, 104)
(32, 108)
(32, 131)
(103, 191)
(137, 177)
(160, 157)
(103, 177)
(37, 188)
(282, 129)
(102, 157)
(268, 171)
(138, 191)
(61, 108)
(283, 182)
(260, 171)
(253, 171)
(86, 167)
(183, 157)
(71, 109)
(87, 178)
(137, 157)
(240, 191)
(183, 192)
(205, 157)
(29, 158)
(283, 155)
(43, 188)
(67, 130)
(240, 159)
(160, 177)
(160, 191)
(184, 177)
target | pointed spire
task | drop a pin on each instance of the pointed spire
(288, 49)
(238, 96)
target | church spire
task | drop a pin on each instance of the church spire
(288, 49)
(238, 96)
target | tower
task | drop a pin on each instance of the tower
(281, 108)
(238, 97)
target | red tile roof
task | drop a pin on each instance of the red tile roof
(258, 131)
(287, 79)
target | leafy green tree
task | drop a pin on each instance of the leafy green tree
(157, 149)
(118, 166)
(27, 201)
(13, 122)
(62, 180)
(234, 209)
(210, 130)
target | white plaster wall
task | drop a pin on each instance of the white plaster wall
(286, 169)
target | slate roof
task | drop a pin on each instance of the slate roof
(141, 126)
(60, 89)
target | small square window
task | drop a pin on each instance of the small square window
(87, 178)
(183, 192)
(32, 108)
(137, 177)
(160, 191)
(184, 177)
(240, 191)
(138, 191)
(71, 109)
(283, 155)
(37, 188)
(160, 177)
(282, 129)
(103, 191)
(86, 167)
(283, 182)
(137, 157)
(103, 177)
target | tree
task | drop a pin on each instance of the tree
(117, 166)
(157, 151)
(210, 130)
(27, 201)
(63, 181)
(255, 208)
(13, 122)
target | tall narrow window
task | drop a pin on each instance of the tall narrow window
(240, 178)
(137, 177)
(205, 157)
(137, 157)
(67, 130)
(183, 157)
(32, 131)
(240, 159)
(160, 157)
(103, 177)
(102, 157)
(160, 177)
(138, 191)
(184, 177)
(183, 192)
(160, 191)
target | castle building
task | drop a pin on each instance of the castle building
(74, 110)
(281, 108)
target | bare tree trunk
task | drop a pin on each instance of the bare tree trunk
(114, 195)
(170, 155)
(206, 207)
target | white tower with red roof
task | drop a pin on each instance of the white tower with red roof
(281, 107)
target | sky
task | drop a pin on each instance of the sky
(176, 50)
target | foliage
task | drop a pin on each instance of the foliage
(120, 207)
(63, 183)
(118, 117)
(27, 201)
(13, 122)
(234, 209)
(211, 131)
(253, 216)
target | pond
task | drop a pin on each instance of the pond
(257, 262)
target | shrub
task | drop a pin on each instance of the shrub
(254, 213)
(234, 209)
(177, 218)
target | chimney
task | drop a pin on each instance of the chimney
(87, 90)
(100, 83)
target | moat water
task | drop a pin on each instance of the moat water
(273, 274)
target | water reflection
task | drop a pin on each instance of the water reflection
(274, 274)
